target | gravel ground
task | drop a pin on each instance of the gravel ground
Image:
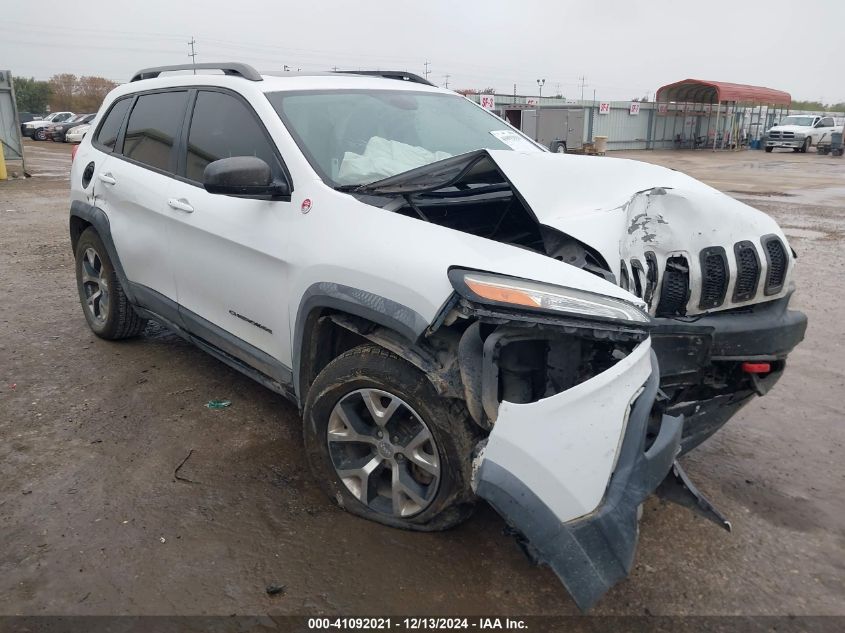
(93, 520)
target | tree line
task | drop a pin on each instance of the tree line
(62, 92)
(817, 106)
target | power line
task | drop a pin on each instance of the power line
(583, 81)
(427, 71)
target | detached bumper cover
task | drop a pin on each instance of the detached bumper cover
(688, 352)
(593, 551)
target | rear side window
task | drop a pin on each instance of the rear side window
(107, 136)
(223, 126)
(152, 128)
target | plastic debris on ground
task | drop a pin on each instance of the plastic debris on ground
(218, 404)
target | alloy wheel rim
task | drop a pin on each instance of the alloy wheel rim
(383, 452)
(95, 285)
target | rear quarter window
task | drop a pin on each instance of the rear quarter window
(107, 134)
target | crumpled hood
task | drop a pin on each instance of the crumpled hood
(633, 212)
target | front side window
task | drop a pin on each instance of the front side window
(153, 126)
(355, 137)
(107, 136)
(223, 126)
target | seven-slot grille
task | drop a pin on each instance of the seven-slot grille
(716, 275)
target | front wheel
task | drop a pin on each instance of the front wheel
(385, 446)
(769, 150)
(41, 135)
(807, 143)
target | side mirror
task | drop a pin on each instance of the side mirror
(242, 176)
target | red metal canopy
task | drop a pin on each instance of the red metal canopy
(700, 91)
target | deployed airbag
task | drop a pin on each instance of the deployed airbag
(383, 158)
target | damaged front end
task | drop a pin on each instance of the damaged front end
(568, 460)
(588, 399)
(714, 274)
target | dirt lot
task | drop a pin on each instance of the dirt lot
(92, 520)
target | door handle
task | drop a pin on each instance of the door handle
(108, 178)
(180, 204)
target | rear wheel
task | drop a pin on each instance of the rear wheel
(385, 446)
(106, 307)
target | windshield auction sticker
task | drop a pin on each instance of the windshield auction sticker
(514, 140)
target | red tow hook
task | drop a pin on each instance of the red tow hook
(756, 368)
(755, 372)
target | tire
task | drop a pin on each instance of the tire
(768, 149)
(807, 143)
(372, 372)
(105, 305)
(40, 135)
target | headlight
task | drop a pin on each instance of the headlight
(522, 293)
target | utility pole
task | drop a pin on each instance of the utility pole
(427, 71)
(447, 75)
(583, 83)
(540, 83)
(193, 53)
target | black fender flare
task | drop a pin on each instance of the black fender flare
(97, 218)
(408, 324)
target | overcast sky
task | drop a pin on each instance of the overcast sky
(624, 49)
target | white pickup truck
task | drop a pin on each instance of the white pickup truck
(800, 131)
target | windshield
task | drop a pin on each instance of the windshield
(803, 121)
(355, 137)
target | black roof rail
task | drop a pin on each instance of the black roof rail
(389, 74)
(229, 68)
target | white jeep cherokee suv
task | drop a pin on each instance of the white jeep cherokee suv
(457, 312)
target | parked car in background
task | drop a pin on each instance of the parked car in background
(26, 117)
(75, 134)
(36, 129)
(57, 131)
(799, 131)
